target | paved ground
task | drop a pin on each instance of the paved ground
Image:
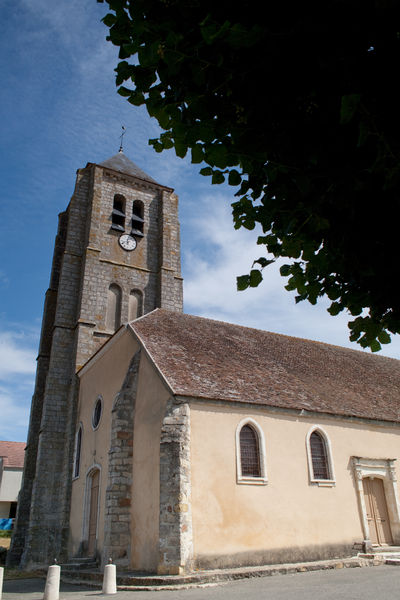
(347, 584)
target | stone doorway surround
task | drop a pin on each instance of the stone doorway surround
(384, 469)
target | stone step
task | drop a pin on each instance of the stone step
(147, 582)
(78, 563)
(386, 550)
(393, 561)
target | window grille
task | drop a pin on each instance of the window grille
(118, 213)
(319, 456)
(249, 452)
(137, 218)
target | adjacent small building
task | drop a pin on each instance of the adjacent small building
(11, 468)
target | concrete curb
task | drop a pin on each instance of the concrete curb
(135, 582)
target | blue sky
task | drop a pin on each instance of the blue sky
(60, 110)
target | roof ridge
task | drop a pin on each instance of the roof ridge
(281, 335)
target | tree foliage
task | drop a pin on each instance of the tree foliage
(296, 105)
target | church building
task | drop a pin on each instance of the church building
(171, 442)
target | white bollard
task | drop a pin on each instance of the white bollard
(1, 581)
(52, 589)
(110, 579)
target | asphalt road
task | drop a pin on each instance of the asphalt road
(368, 583)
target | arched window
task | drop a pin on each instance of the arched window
(118, 213)
(113, 314)
(78, 448)
(137, 218)
(250, 453)
(135, 304)
(319, 456)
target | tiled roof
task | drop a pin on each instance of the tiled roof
(12, 453)
(215, 360)
(123, 164)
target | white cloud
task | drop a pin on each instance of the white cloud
(217, 254)
(14, 412)
(17, 370)
(15, 357)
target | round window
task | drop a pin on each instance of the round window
(96, 413)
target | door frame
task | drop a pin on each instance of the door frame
(86, 506)
(384, 469)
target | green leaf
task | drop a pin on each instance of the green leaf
(375, 346)
(123, 91)
(335, 308)
(300, 298)
(333, 293)
(206, 171)
(384, 337)
(197, 154)
(136, 98)
(234, 178)
(263, 262)
(216, 155)
(285, 270)
(109, 20)
(242, 282)
(255, 277)
(217, 177)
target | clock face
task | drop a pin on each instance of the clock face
(127, 242)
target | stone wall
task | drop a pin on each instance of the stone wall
(117, 534)
(176, 538)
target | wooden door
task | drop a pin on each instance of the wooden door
(377, 512)
(93, 510)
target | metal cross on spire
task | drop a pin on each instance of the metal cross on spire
(122, 137)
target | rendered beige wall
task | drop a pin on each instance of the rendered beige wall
(289, 513)
(105, 378)
(151, 401)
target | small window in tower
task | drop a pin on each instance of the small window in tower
(113, 314)
(135, 304)
(137, 218)
(118, 213)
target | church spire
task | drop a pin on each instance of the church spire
(122, 138)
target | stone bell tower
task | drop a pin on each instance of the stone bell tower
(116, 257)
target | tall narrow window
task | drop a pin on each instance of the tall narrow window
(113, 315)
(319, 454)
(135, 304)
(118, 213)
(249, 452)
(78, 447)
(137, 218)
(251, 464)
